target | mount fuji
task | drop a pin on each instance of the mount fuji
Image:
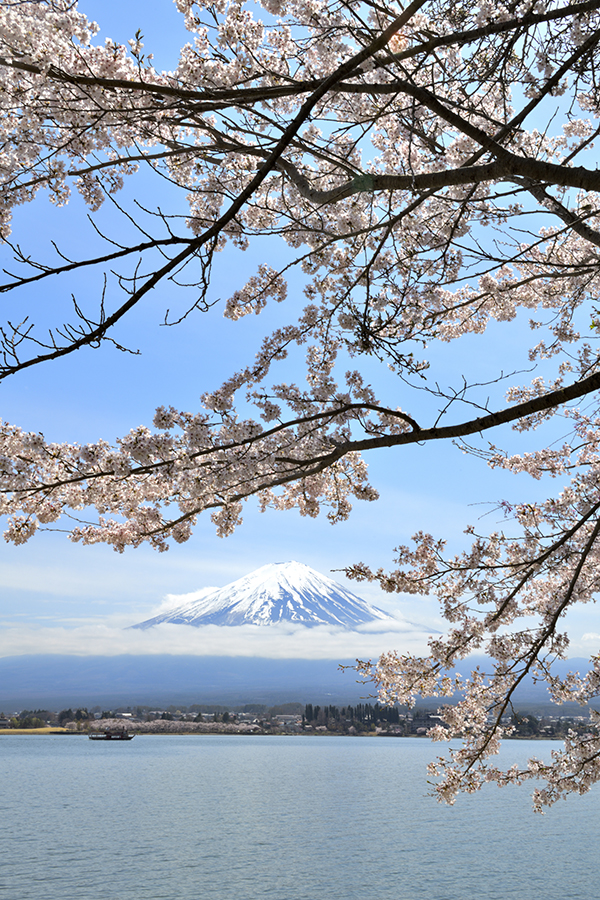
(279, 592)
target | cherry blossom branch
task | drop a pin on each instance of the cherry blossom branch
(405, 162)
(217, 96)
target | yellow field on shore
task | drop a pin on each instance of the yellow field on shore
(46, 730)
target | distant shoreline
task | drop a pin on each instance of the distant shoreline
(371, 734)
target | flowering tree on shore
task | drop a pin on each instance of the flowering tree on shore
(432, 172)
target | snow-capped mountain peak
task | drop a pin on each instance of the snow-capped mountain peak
(278, 592)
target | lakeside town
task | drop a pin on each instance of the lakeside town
(287, 718)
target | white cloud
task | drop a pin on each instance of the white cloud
(173, 601)
(87, 638)
(395, 625)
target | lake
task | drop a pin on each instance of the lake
(282, 818)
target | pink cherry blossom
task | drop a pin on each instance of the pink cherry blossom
(432, 174)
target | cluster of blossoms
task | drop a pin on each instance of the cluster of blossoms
(399, 155)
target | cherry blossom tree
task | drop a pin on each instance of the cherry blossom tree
(431, 171)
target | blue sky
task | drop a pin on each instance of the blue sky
(59, 597)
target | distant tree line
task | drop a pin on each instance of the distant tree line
(31, 718)
(365, 717)
(77, 715)
(362, 717)
(527, 725)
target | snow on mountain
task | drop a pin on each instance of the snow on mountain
(278, 592)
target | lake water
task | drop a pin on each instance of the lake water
(282, 818)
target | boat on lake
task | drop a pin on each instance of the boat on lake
(111, 734)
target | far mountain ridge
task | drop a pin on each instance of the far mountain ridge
(53, 682)
(278, 592)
